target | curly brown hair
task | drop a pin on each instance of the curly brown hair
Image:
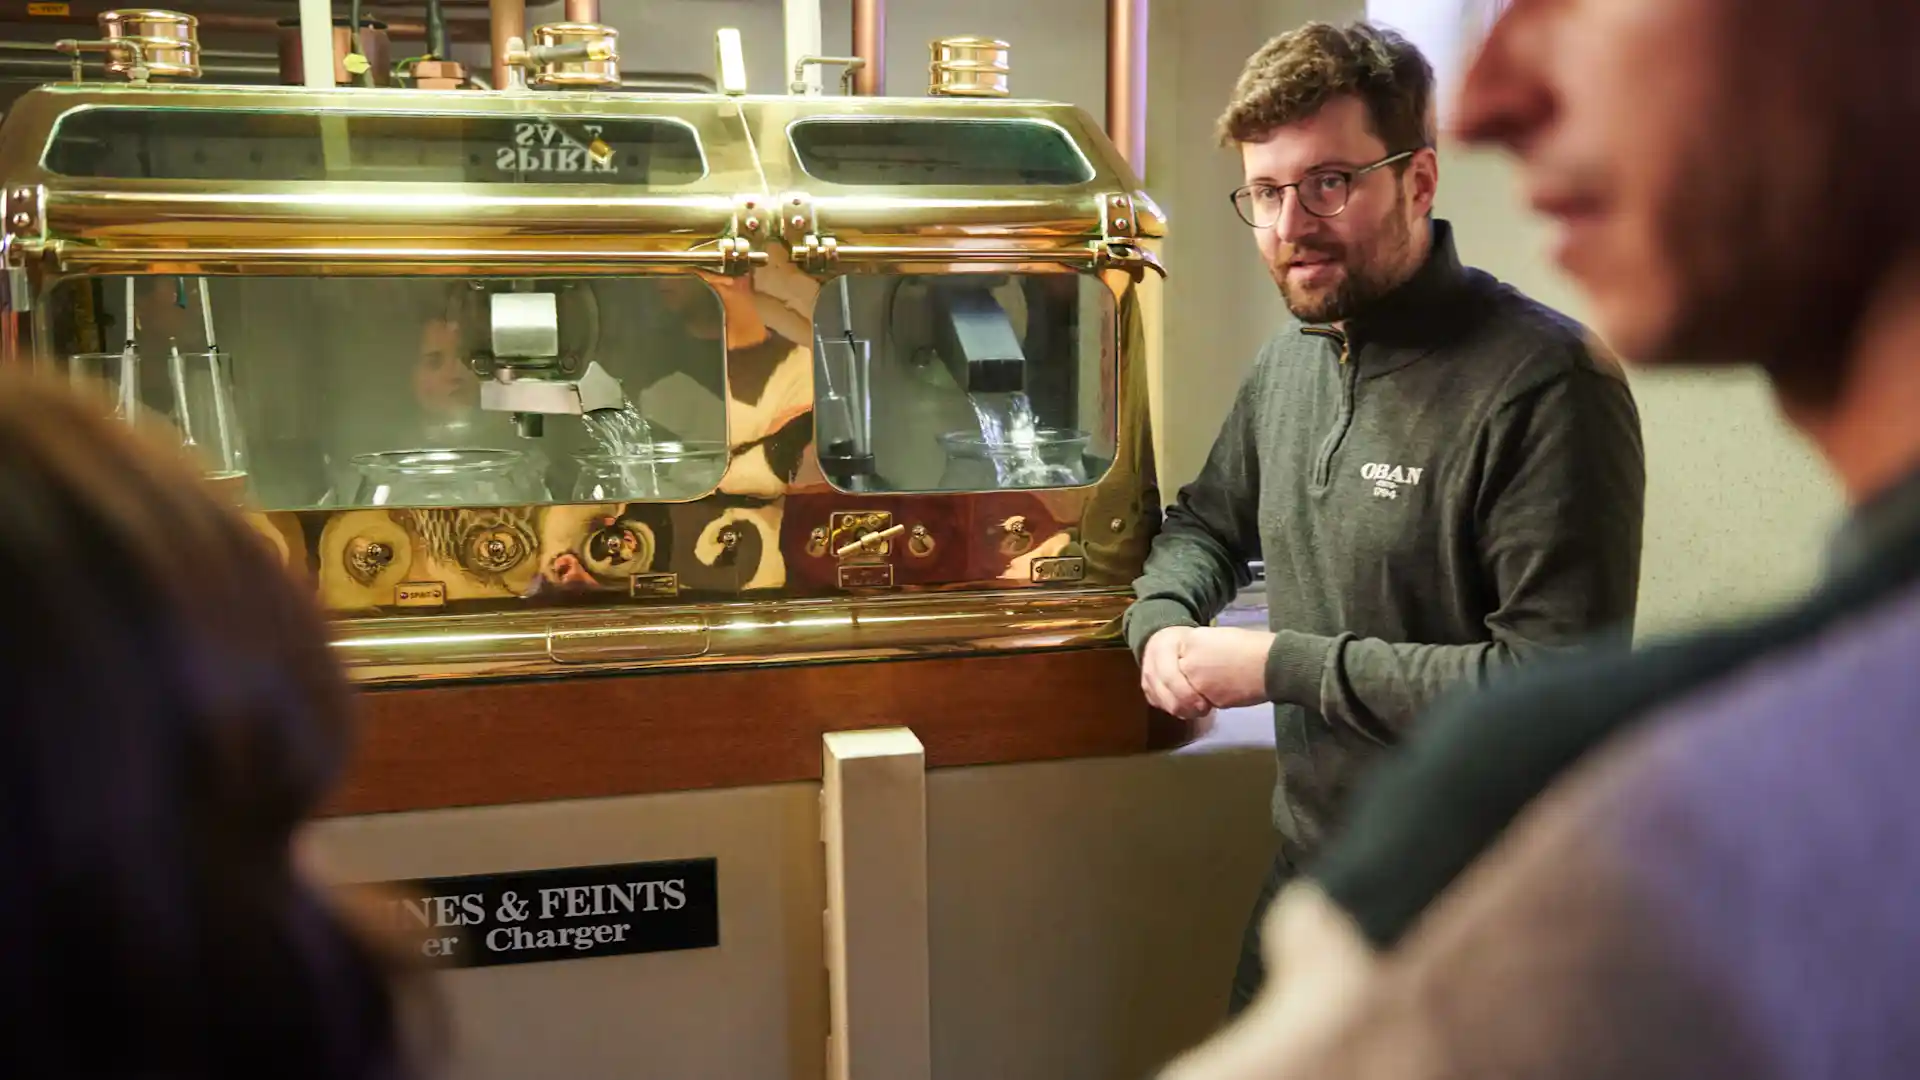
(1293, 75)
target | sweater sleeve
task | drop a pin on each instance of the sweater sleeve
(1558, 518)
(1199, 559)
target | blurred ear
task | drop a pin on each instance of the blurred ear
(1422, 180)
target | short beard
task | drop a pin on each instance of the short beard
(1376, 272)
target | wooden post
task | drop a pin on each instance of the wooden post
(873, 820)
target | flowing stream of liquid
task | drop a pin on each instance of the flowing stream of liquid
(1011, 435)
(623, 433)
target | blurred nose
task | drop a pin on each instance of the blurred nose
(1295, 223)
(1504, 99)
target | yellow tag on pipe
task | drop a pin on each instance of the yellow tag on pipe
(51, 10)
(355, 64)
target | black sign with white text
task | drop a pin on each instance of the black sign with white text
(572, 914)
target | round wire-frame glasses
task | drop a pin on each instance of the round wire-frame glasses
(1323, 193)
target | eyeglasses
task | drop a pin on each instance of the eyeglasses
(1323, 193)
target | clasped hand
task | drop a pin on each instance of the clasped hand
(1188, 671)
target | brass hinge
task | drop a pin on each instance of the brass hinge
(22, 231)
(813, 250)
(22, 221)
(752, 217)
(1119, 245)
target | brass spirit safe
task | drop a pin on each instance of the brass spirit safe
(531, 380)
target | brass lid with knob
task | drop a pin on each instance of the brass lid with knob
(169, 42)
(142, 43)
(969, 67)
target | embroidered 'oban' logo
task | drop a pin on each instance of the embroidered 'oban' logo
(1388, 479)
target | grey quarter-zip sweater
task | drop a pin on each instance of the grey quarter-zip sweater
(1450, 484)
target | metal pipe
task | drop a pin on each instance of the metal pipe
(52, 68)
(508, 19)
(1127, 80)
(870, 44)
(582, 11)
(47, 49)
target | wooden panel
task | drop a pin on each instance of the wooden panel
(494, 743)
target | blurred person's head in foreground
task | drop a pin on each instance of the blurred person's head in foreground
(172, 715)
(1730, 185)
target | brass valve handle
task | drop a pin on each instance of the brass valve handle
(869, 542)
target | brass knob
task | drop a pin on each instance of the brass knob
(817, 541)
(920, 542)
(869, 542)
(1017, 541)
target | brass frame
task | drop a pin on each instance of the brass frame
(755, 209)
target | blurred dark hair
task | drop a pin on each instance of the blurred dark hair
(172, 715)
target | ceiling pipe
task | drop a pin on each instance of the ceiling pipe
(582, 11)
(870, 45)
(508, 21)
(1127, 80)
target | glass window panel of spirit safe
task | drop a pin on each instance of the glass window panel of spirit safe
(868, 151)
(964, 382)
(232, 145)
(421, 391)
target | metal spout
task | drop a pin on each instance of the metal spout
(537, 392)
(975, 337)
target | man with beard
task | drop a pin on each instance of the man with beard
(1705, 865)
(1440, 475)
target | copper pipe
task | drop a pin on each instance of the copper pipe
(870, 44)
(1127, 80)
(509, 21)
(583, 11)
